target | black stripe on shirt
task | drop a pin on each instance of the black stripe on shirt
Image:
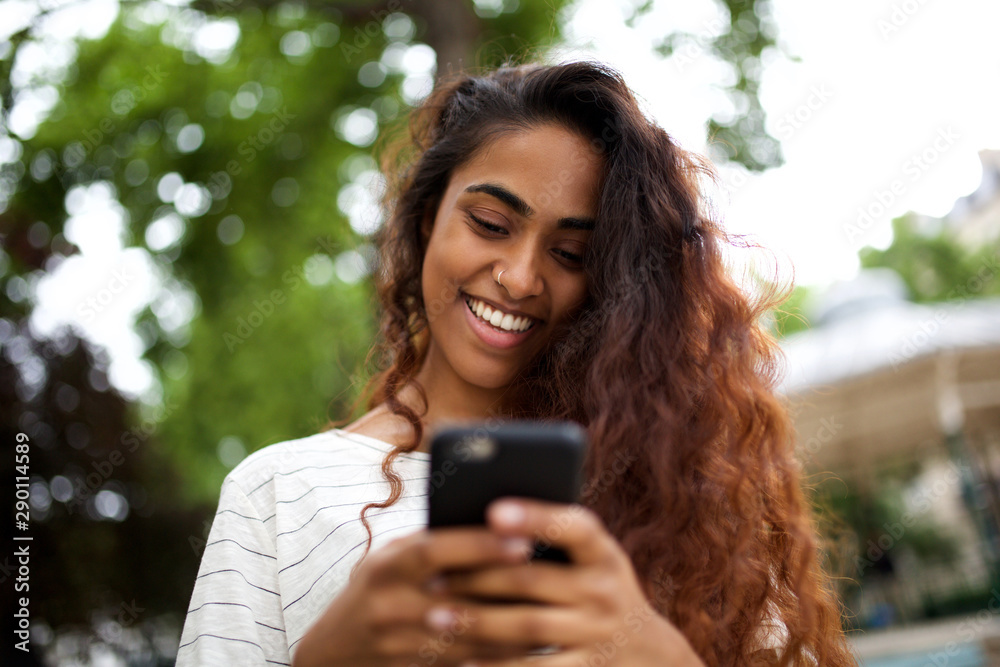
(386, 532)
(292, 472)
(228, 539)
(340, 486)
(328, 535)
(239, 573)
(234, 639)
(364, 502)
(360, 502)
(236, 604)
(409, 456)
(292, 452)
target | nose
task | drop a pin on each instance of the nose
(521, 277)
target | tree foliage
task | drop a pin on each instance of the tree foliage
(247, 161)
(934, 265)
(241, 173)
(742, 40)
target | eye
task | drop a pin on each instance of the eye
(575, 259)
(489, 227)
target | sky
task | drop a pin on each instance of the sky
(883, 113)
(881, 107)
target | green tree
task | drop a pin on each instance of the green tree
(239, 168)
(792, 316)
(228, 168)
(934, 265)
(742, 40)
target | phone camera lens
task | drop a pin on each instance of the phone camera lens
(475, 448)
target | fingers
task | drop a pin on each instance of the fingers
(447, 647)
(399, 625)
(572, 658)
(424, 554)
(518, 624)
(535, 582)
(446, 639)
(396, 605)
(507, 652)
(567, 605)
(572, 527)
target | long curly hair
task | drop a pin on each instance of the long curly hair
(691, 464)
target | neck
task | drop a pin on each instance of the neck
(449, 397)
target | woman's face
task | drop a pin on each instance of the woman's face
(524, 205)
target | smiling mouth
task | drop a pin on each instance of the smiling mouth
(499, 320)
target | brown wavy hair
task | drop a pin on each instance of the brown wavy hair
(667, 365)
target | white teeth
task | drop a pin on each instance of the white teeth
(498, 318)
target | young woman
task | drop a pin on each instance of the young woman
(548, 256)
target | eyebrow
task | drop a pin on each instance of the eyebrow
(521, 207)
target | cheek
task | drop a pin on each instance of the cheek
(442, 276)
(571, 297)
(455, 258)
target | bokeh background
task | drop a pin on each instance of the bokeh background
(186, 194)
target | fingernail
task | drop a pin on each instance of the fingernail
(440, 618)
(518, 546)
(510, 514)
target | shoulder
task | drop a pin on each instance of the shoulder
(324, 451)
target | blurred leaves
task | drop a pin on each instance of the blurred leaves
(741, 41)
(241, 170)
(238, 169)
(884, 527)
(791, 316)
(230, 140)
(934, 264)
(102, 486)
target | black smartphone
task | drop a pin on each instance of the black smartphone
(474, 464)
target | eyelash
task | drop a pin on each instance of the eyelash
(496, 229)
(493, 229)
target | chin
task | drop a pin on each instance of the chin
(492, 381)
(498, 378)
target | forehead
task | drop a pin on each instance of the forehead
(555, 170)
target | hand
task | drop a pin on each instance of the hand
(591, 609)
(381, 618)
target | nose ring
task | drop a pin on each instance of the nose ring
(498, 277)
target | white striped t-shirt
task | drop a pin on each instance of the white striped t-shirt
(284, 539)
(285, 536)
